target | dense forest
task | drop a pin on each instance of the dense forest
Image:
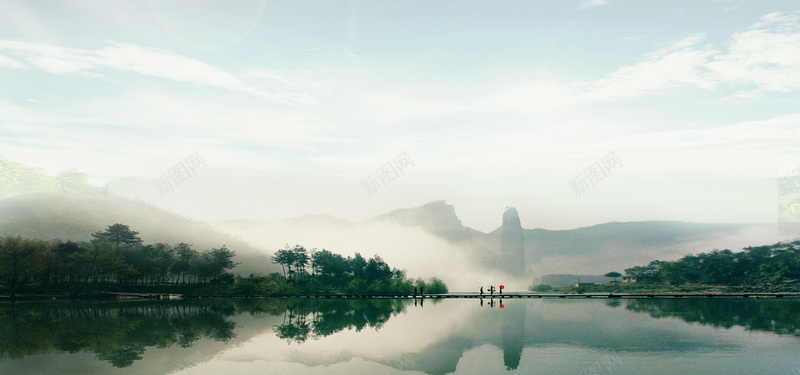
(117, 260)
(333, 273)
(754, 266)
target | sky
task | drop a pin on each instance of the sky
(574, 112)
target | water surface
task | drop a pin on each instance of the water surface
(393, 336)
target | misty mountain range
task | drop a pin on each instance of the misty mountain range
(431, 235)
(594, 250)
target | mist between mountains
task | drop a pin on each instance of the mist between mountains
(387, 173)
(179, 173)
(594, 173)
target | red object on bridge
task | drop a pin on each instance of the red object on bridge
(502, 305)
(502, 287)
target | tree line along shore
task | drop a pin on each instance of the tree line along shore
(116, 260)
(757, 269)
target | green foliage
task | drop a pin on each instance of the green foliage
(541, 288)
(117, 333)
(292, 260)
(17, 261)
(753, 266)
(115, 257)
(117, 260)
(335, 274)
(768, 315)
(437, 286)
(119, 234)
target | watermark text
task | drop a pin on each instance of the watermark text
(179, 173)
(596, 172)
(387, 173)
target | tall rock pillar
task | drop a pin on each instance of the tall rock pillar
(512, 246)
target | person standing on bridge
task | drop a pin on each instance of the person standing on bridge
(481, 291)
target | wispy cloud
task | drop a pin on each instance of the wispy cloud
(263, 73)
(680, 64)
(765, 59)
(589, 4)
(143, 60)
(785, 20)
(7, 62)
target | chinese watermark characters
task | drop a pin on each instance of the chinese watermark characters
(605, 366)
(594, 173)
(179, 173)
(387, 173)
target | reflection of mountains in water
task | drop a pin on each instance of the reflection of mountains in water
(120, 333)
(600, 326)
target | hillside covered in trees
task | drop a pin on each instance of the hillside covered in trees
(117, 260)
(759, 265)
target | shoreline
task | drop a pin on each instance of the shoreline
(118, 297)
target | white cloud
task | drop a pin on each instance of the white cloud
(784, 20)
(764, 59)
(146, 61)
(589, 4)
(158, 63)
(769, 61)
(263, 73)
(680, 64)
(532, 98)
(7, 62)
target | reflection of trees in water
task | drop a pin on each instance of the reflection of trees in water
(121, 332)
(772, 315)
(117, 333)
(306, 319)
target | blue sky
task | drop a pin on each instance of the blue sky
(293, 104)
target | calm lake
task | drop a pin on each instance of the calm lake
(401, 336)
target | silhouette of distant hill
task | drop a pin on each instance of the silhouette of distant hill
(594, 249)
(37, 205)
(75, 217)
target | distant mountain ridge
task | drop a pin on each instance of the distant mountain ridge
(594, 249)
(436, 217)
(37, 205)
(74, 217)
